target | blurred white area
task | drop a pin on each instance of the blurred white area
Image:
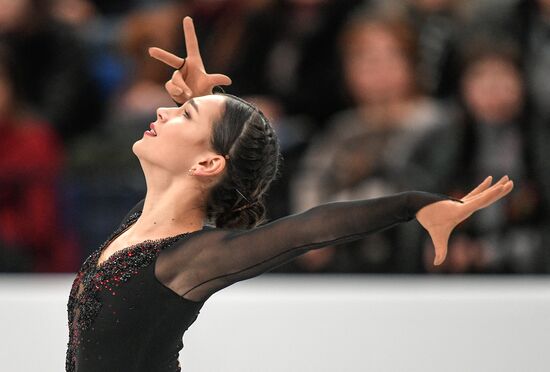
(318, 323)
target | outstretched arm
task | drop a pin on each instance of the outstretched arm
(214, 259)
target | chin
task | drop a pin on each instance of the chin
(144, 153)
(136, 147)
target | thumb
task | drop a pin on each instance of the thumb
(219, 79)
(440, 239)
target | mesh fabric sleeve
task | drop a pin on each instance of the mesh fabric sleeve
(211, 259)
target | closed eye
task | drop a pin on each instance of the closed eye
(186, 114)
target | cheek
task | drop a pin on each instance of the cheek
(177, 148)
(180, 135)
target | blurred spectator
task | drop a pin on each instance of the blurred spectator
(73, 12)
(493, 140)
(51, 66)
(438, 26)
(143, 91)
(33, 236)
(526, 22)
(377, 147)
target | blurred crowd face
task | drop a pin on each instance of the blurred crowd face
(183, 134)
(75, 12)
(492, 90)
(161, 27)
(13, 13)
(376, 69)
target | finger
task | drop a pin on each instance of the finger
(502, 181)
(178, 81)
(172, 89)
(191, 42)
(490, 196)
(166, 57)
(218, 79)
(482, 186)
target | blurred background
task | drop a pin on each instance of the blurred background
(368, 98)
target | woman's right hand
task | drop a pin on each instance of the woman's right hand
(440, 218)
(191, 80)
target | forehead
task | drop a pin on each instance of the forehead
(210, 106)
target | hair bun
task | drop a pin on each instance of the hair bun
(246, 216)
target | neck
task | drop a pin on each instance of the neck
(173, 205)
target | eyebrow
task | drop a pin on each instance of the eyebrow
(194, 104)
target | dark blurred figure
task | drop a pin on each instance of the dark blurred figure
(493, 139)
(51, 66)
(33, 234)
(526, 22)
(438, 27)
(282, 50)
(376, 148)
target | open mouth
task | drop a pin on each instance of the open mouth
(152, 131)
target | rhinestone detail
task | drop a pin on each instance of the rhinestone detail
(84, 304)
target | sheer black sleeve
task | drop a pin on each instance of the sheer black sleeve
(214, 258)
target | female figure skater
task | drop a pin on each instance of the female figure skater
(210, 161)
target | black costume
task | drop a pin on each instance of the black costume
(130, 313)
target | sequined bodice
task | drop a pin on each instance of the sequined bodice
(116, 296)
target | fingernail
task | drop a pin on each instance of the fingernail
(188, 92)
(178, 91)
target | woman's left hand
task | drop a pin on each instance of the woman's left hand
(190, 79)
(440, 218)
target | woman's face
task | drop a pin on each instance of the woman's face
(375, 67)
(182, 134)
(492, 90)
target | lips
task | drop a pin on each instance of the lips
(152, 131)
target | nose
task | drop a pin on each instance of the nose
(162, 113)
(166, 113)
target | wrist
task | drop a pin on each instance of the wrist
(416, 200)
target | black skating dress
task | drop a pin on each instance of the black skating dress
(129, 313)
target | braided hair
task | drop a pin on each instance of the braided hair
(244, 135)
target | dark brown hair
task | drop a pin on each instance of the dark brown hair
(244, 134)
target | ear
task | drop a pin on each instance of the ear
(210, 166)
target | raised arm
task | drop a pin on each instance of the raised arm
(214, 259)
